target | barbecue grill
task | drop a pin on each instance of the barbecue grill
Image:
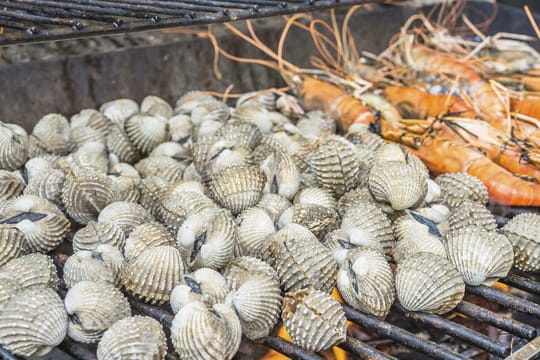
(68, 76)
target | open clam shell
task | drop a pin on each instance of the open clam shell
(426, 282)
(481, 256)
(33, 322)
(198, 332)
(300, 260)
(204, 285)
(457, 187)
(31, 271)
(366, 282)
(130, 337)
(97, 233)
(313, 319)
(13, 146)
(524, 232)
(92, 308)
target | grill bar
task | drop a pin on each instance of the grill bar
(458, 331)
(508, 301)
(357, 347)
(27, 21)
(522, 283)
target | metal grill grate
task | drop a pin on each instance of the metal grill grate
(24, 21)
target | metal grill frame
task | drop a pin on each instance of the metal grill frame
(26, 21)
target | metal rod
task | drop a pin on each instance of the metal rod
(400, 335)
(522, 283)
(285, 347)
(528, 352)
(458, 331)
(77, 350)
(508, 301)
(357, 347)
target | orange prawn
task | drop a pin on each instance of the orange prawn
(527, 119)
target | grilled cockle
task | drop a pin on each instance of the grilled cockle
(300, 260)
(255, 224)
(523, 230)
(131, 337)
(44, 180)
(366, 282)
(359, 195)
(52, 135)
(126, 215)
(119, 110)
(8, 289)
(199, 332)
(481, 256)
(145, 236)
(104, 263)
(92, 308)
(13, 146)
(471, 213)
(318, 219)
(152, 189)
(118, 143)
(146, 131)
(153, 274)
(313, 319)
(282, 175)
(315, 196)
(12, 244)
(126, 180)
(428, 283)
(274, 205)
(458, 187)
(241, 133)
(339, 243)
(91, 155)
(207, 238)
(31, 271)
(156, 106)
(255, 295)
(97, 233)
(89, 125)
(317, 124)
(174, 207)
(12, 184)
(33, 322)
(204, 285)
(43, 225)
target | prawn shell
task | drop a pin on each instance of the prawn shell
(153, 274)
(132, 336)
(398, 184)
(300, 260)
(97, 233)
(31, 271)
(458, 187)
(313, 319)
(33, 322)
(126, 215)
(237, 188)
(13, 146)
(523, 231)
(93, 307)
(428, 283)
(482, 257)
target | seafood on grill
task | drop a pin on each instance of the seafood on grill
(313, 319)
(524, 233)
(13, 244)
(31, 271)
(11, 184)
(92, 308)
(13, 146)
(132, 336)
(126, 215)
(205, 285)
(51, 134)
(145, 236)
(255, 225)
(318, 219)
(44, 180)
(96, 233)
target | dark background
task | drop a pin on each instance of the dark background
(534, 5)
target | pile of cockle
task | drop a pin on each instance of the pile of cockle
(236, 217)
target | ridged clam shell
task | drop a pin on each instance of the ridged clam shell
(33, 322)
(131, 338)
(523, 231)
(12, 244)
(237, 188)
(161, 166)
(314, 320)
(335, 165)
(180, 127)
(421, 241)
(8, 289)
(282, 175)
(156, 106)
(471, 213)
(457, 187)
(204, 285)
(97, 233)
(482, 257)
(187, 102)
(126, 215)
(48, 185)
(241, 133)
(54, 134)
(223, 155)
(266, 100)
(172, 149)
(428, 283)
(41, 222)
(316, 123)
(417, 164)
(254, 227)
(90, 119)
(145, 236)
(289, 106)
(13, 146)
(36, 148)
(92, 308)
(201, 149)
(151, 189)
(104, 264)
(315, 196)
(207, 239)
(11, 184)
(201, 333)
(353, 198)
(366, 282)
(339, 243)
(366, 224)
(90, 155)
(84, 134)
(318, 219)
(259, 116)
(397, 183)
(154, 273)
(389, 152)
(146, 132)
(186, 185)
(298, 268)
(437, 213)
(209, 111)
(175, 207)
(126, 181)
(360, 135)
(86, 192)
(413, 224)
(274, 205)
(31, 271)
(118, 143)
(433, 192)
(119, 110)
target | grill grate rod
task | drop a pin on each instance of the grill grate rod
(522, 283)
(357, 347)
(506, 300)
